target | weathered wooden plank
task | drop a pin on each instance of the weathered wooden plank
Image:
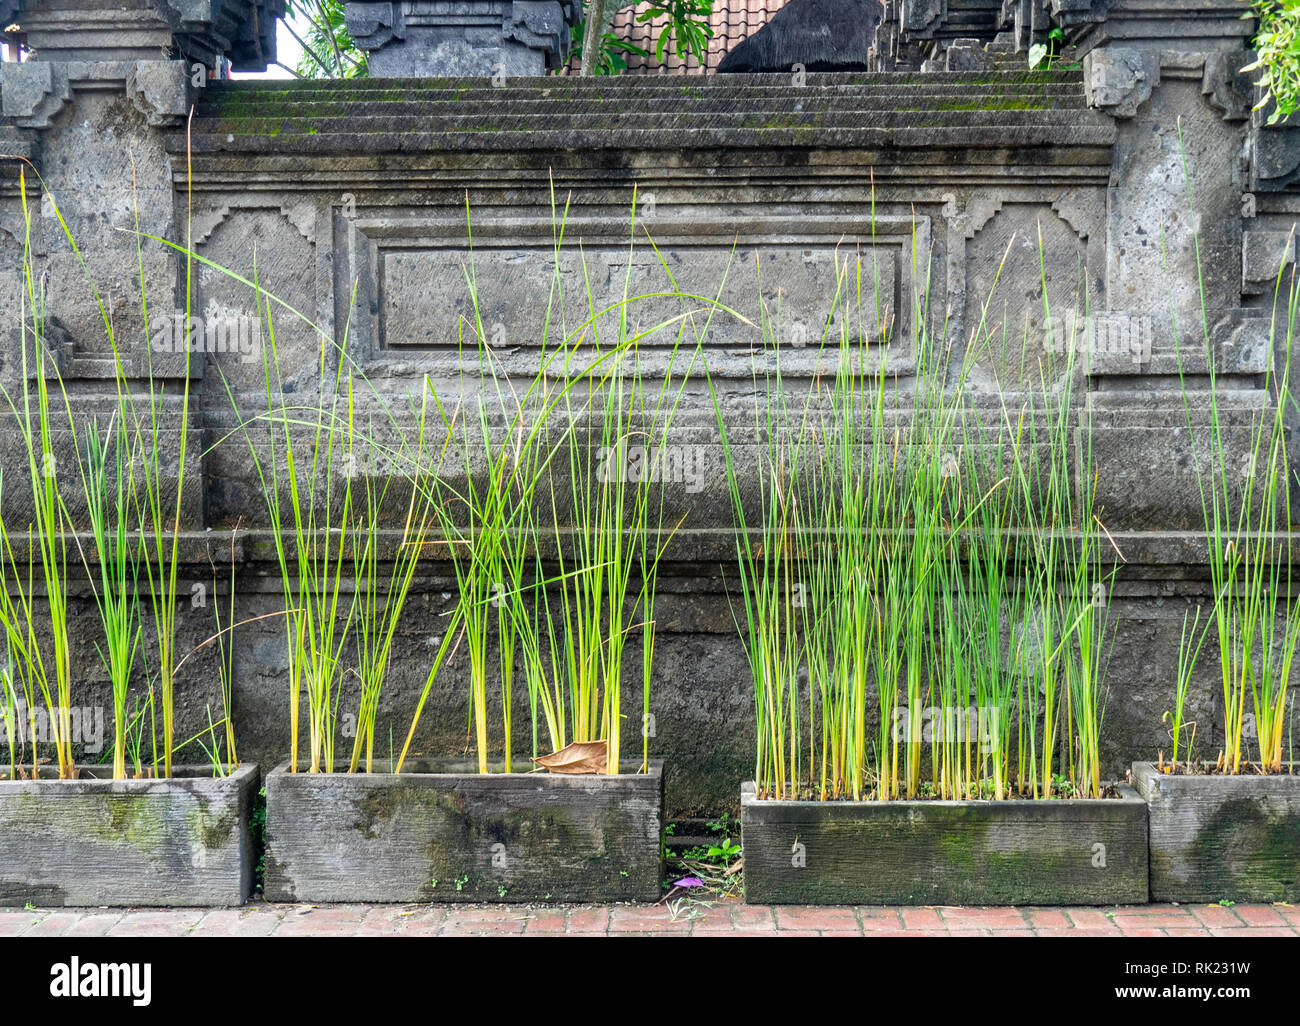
(1057, 852)
(1222, 837)
(446, 833)
(182, 841)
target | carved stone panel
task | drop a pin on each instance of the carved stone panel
(1027, 295)
(699, 282)
(266, 247)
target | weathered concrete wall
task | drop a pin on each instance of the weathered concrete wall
(1127, 167)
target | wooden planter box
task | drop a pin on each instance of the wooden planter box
(90, 841)
(1222, 837)
(444, 832)
(1056, 852)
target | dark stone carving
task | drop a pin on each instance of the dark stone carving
(433, 38)
(1275, 154)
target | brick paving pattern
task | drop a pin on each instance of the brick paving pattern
(729, 918)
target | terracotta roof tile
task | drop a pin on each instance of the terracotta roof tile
(731, 22)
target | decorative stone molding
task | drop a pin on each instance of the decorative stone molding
(1229, 88)
(1080, 213)
(303, 217)
(1275, 156)
(922, 17)
(1120, 79)
(1274, 151)
(1200, 26)
(125, 30)
(34, 92)
(980, 209)
(426, 38)
(160, 91)
(1077, 12)
(1264, 256)
(538, 24)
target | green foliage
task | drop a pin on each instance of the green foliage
(257, 829)
(687, 31)
(1041, 55)
(1278, 45)
(328, 50)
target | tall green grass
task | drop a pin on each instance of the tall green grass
(921, 561)
(555, 561)
(556, 557)
(37, 631)
(128, 544)
(1246, 503)
(1254, 611)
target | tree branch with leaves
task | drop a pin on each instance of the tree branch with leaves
(605, 53)
(329, 51)
(1277, 46)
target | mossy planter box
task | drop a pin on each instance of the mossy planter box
(1056, 852)
(97, 841)
(1217, 837)
(440, 831)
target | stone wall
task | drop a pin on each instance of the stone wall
(1135, 165)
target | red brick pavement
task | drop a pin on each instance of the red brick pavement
(729, 918)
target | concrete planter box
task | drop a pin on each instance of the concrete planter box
(1057, 852)
(1217, 837)
(89, 841)
(444, 832)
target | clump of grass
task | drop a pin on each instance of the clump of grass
(555, 548)
(381, 603)
(34, 608)
(611, 456)
(106, 482)
(1246, 503)
(132, 536)
(310, 510)
(908, 556)
(1254, 614)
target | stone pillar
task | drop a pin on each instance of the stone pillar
(130, 30)
(434, 38)
(101, 83)
(1170, 73)
(1189, 26)
(1177, 217)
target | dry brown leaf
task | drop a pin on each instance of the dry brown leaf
(578, 757)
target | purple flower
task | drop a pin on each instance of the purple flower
(689, 881)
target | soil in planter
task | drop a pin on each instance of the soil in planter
(926, 794)
(1248, 769)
